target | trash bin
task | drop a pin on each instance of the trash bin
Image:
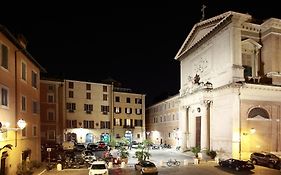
(59, 167)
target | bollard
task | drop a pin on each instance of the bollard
(185, 162)
(59, 167)
(110, 165)
(161, 162)
(123, 164)
(217, 160)
(196, 161)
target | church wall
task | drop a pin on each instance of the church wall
(212, 61)
(224, 124)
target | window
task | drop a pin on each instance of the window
(34, 79)
(104, 109)
(117, 122)
(104, 88)
(51, 135)
(88, 86)
(88, 124)
(34, 131)
(104, 97)
(4, 56)
(117, 110)
(128, 110)
(23, 103)
(35, 107)
(117, 99)
(51, 87)
(71, 107)
(71, 123)
(128, 100)
(4, 96)
(104, 125)
(23, 71)
(70, 94)
(127, 122)
(258, 113)
(138, 122)
(70, 85)
(138, 101)
(51, 98)
(138, 111)
(138, 136)
(23, 132)
(88, 95)
(50, 116)
(88, 108)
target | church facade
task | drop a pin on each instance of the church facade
(230, 93)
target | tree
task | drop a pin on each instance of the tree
(143, 153)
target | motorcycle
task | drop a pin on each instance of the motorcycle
(173, 162)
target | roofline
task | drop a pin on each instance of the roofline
(11, 37)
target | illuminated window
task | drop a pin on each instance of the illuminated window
(23, 71)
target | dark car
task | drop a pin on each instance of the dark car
(146, 167)
(237, 164)
(265, 159)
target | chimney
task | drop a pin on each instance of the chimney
(22, 40)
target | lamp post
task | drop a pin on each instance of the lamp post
(5, 127)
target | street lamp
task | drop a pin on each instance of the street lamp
(4, 127)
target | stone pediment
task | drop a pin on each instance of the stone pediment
(202, 29)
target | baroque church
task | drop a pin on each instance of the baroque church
(230, 93)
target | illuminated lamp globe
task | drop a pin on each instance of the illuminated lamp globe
(21, 124)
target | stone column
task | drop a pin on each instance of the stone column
(205, 125)
(183, 125)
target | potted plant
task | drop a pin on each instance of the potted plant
(195, 151)
(143, 153)
(124, 154)
(211, 153)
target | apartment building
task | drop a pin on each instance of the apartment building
(20, 99)
(128, 115)
(162, 122)
(51, 104)
(87, 112)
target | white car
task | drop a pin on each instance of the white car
(98, 167)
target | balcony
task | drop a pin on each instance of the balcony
(128, 126)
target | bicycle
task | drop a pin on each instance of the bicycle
(173, 162)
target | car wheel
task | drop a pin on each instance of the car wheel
(271, 165)
(237, 168)
(254, 162)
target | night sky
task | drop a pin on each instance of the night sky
(134, 45)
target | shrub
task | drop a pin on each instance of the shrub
(195, 151)
(211, 153)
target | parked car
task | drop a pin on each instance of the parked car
(79, 147)
(134, 144)
(146, 167)
(92, 146)
(237, 164)
(265, 159)
(98, 167)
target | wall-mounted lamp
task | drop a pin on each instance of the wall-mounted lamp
(4, 127)
(252, 131)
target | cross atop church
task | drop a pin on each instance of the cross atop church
(203, 12)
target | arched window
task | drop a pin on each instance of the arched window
(258, 113)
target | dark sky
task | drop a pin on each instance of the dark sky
(134, 45)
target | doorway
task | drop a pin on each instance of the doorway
(198, 132)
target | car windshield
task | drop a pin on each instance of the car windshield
(148, 164)
(98, 166)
